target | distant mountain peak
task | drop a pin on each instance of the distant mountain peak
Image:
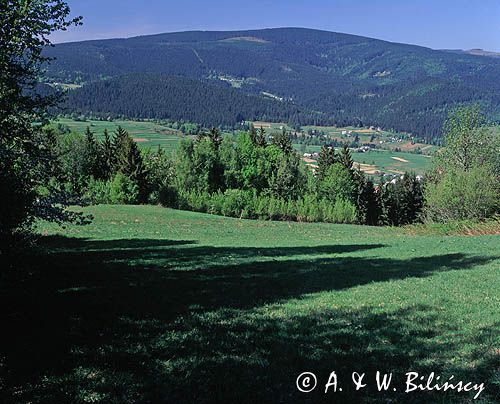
(475, 52)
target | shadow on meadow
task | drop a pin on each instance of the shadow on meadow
(162, 320)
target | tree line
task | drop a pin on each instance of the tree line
(148, 96)
(256, 176)
(250, 176)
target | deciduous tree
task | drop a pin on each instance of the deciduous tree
(25, 28)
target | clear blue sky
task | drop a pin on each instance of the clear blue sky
(437, 24)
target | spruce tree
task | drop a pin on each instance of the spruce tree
(253, 135)
(372, 206)
(92, 155)
(128, 160)
(216, 173)
(327, 158)
(215, 137)
(412, 192)
(261, 138)
(345, 157)
(283, 141)
(200, 136)
(366, 203)
(389, 204)
(108, 156)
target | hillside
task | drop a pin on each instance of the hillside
(157, 96)
(149, 304)
(331, 77)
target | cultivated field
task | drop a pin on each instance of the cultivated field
(384, 159)
(376, 161)
(149, 304)
(382, 138)
(394, 162)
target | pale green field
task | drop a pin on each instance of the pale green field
(386, 161)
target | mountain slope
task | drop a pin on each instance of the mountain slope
(155, 96)
(347, 79)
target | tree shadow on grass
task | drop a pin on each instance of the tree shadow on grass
(125, 312)
(256, 356)
(57, 243)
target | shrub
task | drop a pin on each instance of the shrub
(272, 208)
(167, 196)
(123, 190)
(198, 202)
(291, 210)
(301, 209)
(344, 211)
(338, 182)
(97, 192)
(460, 195)
(261, 207)
(233, 202)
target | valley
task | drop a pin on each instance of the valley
(390, 153)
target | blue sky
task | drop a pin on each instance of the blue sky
(438, 24)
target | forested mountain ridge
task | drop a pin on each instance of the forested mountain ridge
(156, 96)
(330, 77)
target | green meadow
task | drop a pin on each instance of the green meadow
(385, 160)
(148, 304)
(394, 162)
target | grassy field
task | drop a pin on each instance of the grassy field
(394, 162)
(385, 160)
(380, 160)
(149, 304)
(365, 136)
(147, 134)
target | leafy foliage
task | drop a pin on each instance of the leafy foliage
(338, 183)
(25, 152)
(465, 183)
(460, 195)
